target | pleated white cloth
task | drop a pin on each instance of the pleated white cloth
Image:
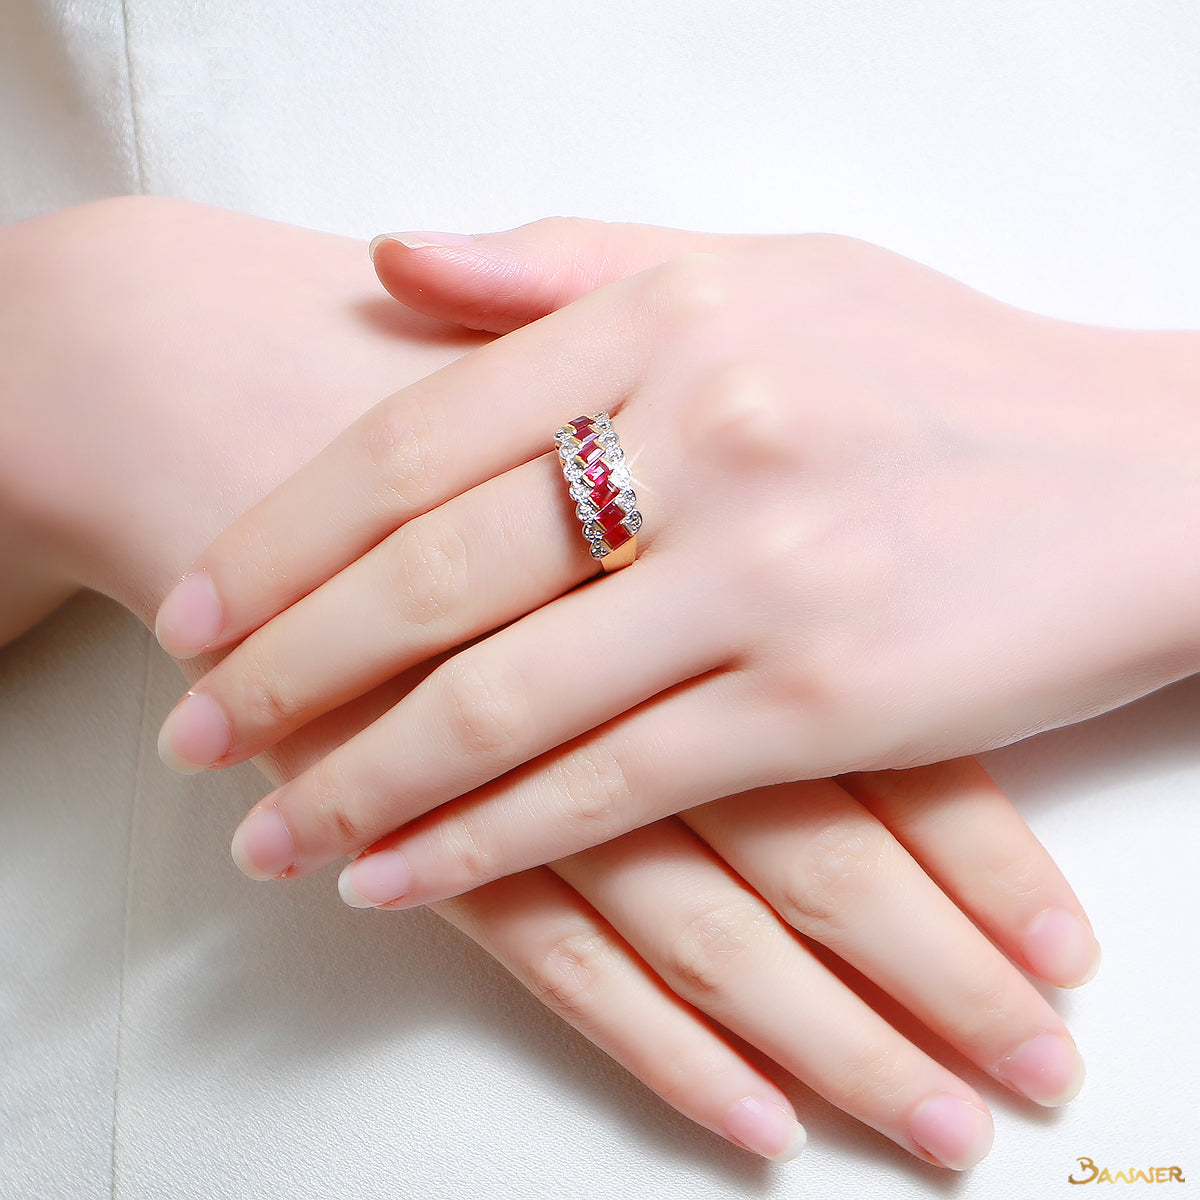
(168, 1029)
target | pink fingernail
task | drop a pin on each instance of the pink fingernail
(189, 619)
(1061, 949)
(262, 846)
(420, 241)
(765, 1129)
(952, 1131)
(1047, 1069)
(375, 879)
(195, 735)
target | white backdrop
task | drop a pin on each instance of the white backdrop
(168, 1029)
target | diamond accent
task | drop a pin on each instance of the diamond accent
(621, 477)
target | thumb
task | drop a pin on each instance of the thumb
(500, 281)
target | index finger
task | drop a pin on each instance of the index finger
(476, 418)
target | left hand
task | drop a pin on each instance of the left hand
(888, 521)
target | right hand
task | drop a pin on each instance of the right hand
(637, 943)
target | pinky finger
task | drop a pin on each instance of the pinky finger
(572, 960)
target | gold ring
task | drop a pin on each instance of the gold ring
(594, 467)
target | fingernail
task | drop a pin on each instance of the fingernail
(262, 846)
(765, 1129)
(1061, 948)
(375, 879)
(420, 241)
(189, 619)
(952, 1131)
(195, 735)
(1047, 1069)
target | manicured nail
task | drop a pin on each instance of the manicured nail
(766, 1129)
(1061, 948)
(195, 735)
(420, 241)
(375, 879)
(189, 619)
(952, 1131)
(1047, 1069)
(262, 846)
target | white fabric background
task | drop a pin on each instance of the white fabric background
(170, 1030)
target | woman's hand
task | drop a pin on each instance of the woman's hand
(182, 402)
(887, 521)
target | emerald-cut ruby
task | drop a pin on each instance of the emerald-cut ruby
(617, 539)
(588, 450)
(596, 473)
(610, 521)
(603, 493)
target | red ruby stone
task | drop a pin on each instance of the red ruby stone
(588, 450)
(583, 427)
(616, 540)
(610, 522)
(596, 474)
(603, 493)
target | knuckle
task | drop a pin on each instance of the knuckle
(270, 698)
(740, 418)
(337, 821)
(560, 230)
(400, 447)
(708, 952)
(833, 874)
(427, 570)
(987, 1003)
(461, 845)
(593, 785)
(566, 977)
(1015, 875)
(487, 708)
(689, 287)
(870, 1079)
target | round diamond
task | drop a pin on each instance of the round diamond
(620, 476)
